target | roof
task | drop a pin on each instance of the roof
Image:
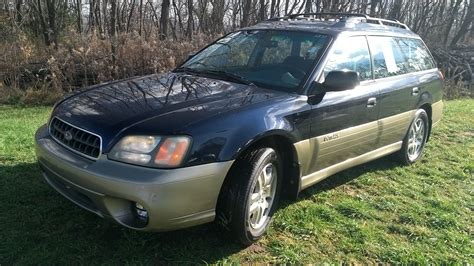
(335, 23)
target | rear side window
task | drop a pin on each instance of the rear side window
(351, 54)
(418, 57)
(389, 60)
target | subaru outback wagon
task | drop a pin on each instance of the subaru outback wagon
(258, 115)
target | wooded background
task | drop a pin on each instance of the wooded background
(54, 46)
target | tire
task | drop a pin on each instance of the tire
(415, 139)
(250, 195)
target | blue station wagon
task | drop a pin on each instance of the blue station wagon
(254, 117)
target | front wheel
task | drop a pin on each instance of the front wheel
(415, 139)
(250, 194)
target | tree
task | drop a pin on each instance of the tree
(308, 6)
(466, 23)
(272, 8)
(395, 12)
(261, 11)
(164, 19)
(79, 15)
(453, 11)
(246, 13)
(140, 19)
(18, 15)
(190, 23)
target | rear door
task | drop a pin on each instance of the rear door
(399, 76)
(344, 123)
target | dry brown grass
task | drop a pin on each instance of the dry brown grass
(34, 74)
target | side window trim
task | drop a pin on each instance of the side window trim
(371, 57)
(433, 61)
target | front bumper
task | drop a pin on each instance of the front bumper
(174, 198)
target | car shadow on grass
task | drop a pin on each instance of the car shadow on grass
(346, 176)
(40, 226)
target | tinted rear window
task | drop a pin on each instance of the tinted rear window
(418, 57)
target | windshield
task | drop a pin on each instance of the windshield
(272, 59)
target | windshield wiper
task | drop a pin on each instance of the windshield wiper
(228, 75)
(186, 70)
(218, 73)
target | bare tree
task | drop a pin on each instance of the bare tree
(466, 23)
(455, 5)
(18, 4)
(261, 11)
(140, 19)
(272, 8)
(308, 6)
(164, 19)
(246, 13)
(113, 21)
(190, 22)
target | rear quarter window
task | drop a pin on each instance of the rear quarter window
(418, 57)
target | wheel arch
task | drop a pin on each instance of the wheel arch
(429, 111)
(282, 142)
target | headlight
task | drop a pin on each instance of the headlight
(155, 151)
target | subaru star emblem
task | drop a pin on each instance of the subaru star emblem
(68, 135)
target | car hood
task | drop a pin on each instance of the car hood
(179, 99)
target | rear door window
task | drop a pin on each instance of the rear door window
(389, 60)
(351, 54)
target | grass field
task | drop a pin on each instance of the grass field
(379, 211)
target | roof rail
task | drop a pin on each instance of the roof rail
(388, 22)
(347, 16)
(321, 14)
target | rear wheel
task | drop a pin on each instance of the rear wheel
(250, 194)
(415, 139)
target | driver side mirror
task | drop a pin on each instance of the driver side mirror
(337, 80)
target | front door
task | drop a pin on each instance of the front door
(344, 123)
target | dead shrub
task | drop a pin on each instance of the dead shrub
(36, 74)
(455, 90)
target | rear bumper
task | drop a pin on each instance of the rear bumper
(174, 198)
(437, 112)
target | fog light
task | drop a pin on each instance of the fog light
(141, 211)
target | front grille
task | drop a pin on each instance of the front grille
(76, 139)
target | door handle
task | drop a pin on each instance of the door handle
(371, 102)
(415, 91)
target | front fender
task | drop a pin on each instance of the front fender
(225, 137)
(234, 151)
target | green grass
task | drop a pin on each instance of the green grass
(379, 211)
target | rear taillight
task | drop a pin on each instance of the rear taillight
(441, 75)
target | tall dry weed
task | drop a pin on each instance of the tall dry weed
(35, 74)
